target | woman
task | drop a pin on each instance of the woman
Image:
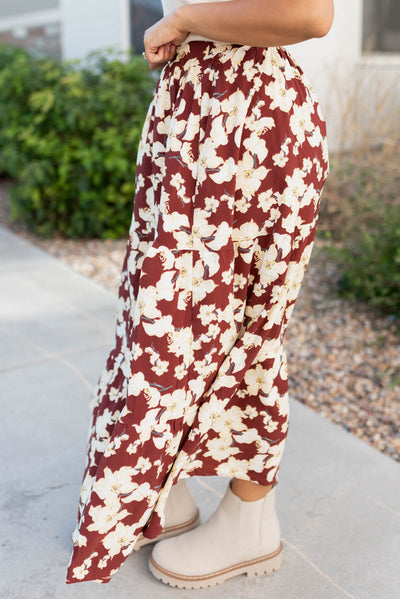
(230, 169)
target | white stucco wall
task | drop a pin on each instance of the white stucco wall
(11, 8)
(93, 24)
(357, 93)
(340, 49)
(329, 63)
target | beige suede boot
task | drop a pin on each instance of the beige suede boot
(241, 537)
(181, 514)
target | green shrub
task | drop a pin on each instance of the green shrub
(360, 207)
(69, 134)
(369, 256)
(20, 75)
(360, 214)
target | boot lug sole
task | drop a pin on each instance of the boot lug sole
(260, 566)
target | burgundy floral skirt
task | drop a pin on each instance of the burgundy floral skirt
(230, 169)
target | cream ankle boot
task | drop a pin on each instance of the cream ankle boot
(240, 537)
(181, 514)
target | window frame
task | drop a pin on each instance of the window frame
(377, 56)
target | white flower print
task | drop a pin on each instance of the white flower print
(78, 539)
(170, 126)
(282, 403)
(141, 492)
(220, 448)
(248, 230)
(180, 371)
(300, 122)
(283, 373)
(257, 123)
(105, 518)
(138, 384)
(240, 281)
(174, 404)
(118, 539)
(315, 139)
(212, 203)
(207, 313)
(269, 349)
(282, 96)
(209, 414)
(234, 109)
(273, 268)
(146, 304)
(242, 205)
(159, 327)
(148, 424)
(282, 157)
(283, 244)
(250, 412)
(256, 146)
(230, 420)
(143, 464)
(259, 381)
(273, 461)
(81, 571)
(179, 342)
(191, 126)
(86, 488)
(177, 180)
(218, 132)
(117, 482)
(234, 468)
(253, 312)
(249, 176)
(230, 75)
(257, 463)
(210, 164)
(270, 424)
(310, 196)
(115, 444)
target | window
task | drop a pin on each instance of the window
(143, 14)
(381, 26)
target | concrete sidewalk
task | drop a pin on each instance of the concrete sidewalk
(338, 497)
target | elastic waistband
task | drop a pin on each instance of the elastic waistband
(197, 47)
(194, 37)
(207, 50)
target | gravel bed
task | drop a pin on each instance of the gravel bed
(343, 359)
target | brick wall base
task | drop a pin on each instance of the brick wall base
(42, 40)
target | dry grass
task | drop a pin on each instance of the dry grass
(365, 168)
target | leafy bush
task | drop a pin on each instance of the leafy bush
(360, 208)
(361, 216)
(370, 264)
(20, 76)
(69, 134)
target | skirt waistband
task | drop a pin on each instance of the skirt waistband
(236, 53)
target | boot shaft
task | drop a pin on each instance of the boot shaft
(180, 505)
(258, 526)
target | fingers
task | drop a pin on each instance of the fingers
(159, 59)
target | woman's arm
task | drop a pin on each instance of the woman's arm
(248, 22)
(258, 22)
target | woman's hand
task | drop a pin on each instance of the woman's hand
(160, 40)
